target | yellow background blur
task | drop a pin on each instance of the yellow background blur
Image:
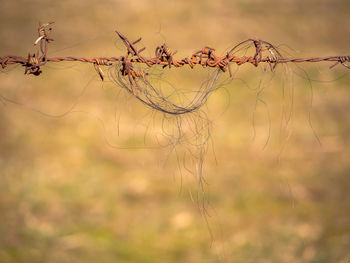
(72, 188)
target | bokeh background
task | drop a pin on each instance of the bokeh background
(82, 179)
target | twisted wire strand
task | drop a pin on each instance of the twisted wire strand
(219, 62)
(136, 82)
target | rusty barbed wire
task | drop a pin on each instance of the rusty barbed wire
(136, 81)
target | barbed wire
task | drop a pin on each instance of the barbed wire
(137, 83)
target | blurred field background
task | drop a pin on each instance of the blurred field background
(67, 195)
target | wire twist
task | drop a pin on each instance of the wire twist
(205, 57)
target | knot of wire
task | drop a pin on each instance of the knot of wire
(34, 61)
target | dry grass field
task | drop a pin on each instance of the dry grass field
(84, 176)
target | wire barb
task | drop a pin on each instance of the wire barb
(101, 62)
(32, 66)
(44, 32)
(343, 60)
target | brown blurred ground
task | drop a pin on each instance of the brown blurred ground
(68, 196)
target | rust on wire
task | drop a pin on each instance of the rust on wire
(135, 81)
